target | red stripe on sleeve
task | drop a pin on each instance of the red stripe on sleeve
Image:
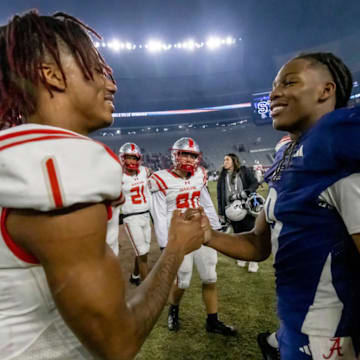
(160, 187)
(54, 183)
(39, 131)
(49, 137)
(18, 251)
(109, 212)
(110, 152)
(161, 180)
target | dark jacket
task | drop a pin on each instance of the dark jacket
(249, 182)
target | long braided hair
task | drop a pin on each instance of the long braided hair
(339, 72)
(343, 81)
(25, 43)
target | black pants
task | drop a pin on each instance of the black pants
(246, 224)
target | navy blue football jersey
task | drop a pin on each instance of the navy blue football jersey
(317, 264)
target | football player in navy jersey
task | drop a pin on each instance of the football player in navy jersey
(311, 217)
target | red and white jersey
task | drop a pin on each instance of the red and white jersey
(258, 167)
(136, 191)
(170, 192)
(46, 168)
(258, 172)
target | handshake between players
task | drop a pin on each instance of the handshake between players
(192, 225)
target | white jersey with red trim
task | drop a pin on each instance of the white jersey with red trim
(170, 192)
(46, 168)
(136, 191)
(258, 172)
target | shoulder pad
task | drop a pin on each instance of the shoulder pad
(46, 168)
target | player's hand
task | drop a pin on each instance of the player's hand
(205, 224)
(186, 231)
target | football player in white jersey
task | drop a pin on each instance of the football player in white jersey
(136, 209)
(258, 171)
(184, 187)
(62, 294)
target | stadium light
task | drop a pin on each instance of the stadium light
(154, 45)
(213, 42)
(190, 44)
(229, 40)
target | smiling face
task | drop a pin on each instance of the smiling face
(91, 100)
(300, 96)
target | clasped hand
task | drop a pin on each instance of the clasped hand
(189, 229)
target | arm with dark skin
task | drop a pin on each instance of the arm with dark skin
(356, 238)
(254, 245)
(86, 280)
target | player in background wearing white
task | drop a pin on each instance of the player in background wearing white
(181, 188)
(258, 171)
(62, 294)
(136, 209)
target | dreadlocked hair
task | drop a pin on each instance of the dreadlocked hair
(25, 44)
(338, 70)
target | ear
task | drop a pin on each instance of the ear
(52, 75)
(328, 91)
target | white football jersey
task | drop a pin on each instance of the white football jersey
(171, 192)
(136, 191)
(46, 168)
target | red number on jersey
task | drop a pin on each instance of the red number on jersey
(139, 195)
(182, 200)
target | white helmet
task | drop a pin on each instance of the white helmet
(254, 204)
(235, 211)
(130, 149)
(187, 145)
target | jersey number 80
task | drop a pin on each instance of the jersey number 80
(187, 200)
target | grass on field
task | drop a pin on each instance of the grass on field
(246, 300)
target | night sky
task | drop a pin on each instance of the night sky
(270, 29)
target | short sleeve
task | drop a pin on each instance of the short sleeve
(47, 168)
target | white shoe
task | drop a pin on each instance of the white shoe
(241, 263)
(253, 267)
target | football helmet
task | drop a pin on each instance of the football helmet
(254, 204)
(235, 211)
(188, 145)
(130, 149)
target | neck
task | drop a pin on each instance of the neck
(56, 111)
(62, 121)
(130, 172)
(181, 173)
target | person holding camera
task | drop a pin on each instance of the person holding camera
(236, 204)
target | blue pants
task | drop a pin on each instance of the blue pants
(295, 346)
